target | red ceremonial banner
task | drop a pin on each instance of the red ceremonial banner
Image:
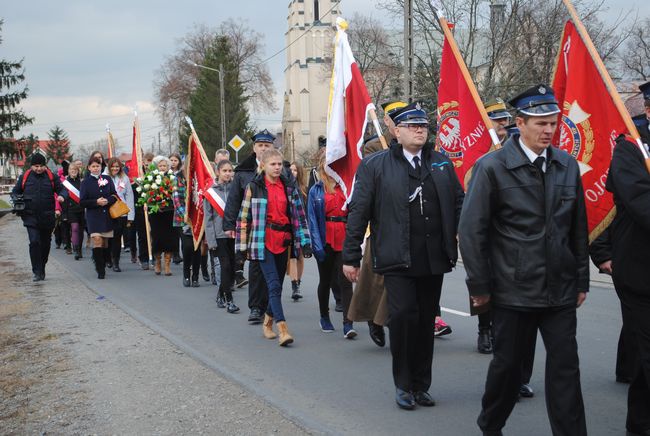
(588, 125)
(463, 135)
(199, 176)
(135, 164)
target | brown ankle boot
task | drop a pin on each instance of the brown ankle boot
(267, 327)
(157, 266)
(168, 262)
(285, 338)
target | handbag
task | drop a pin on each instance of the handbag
(118, 208)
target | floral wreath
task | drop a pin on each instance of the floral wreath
(155, 189)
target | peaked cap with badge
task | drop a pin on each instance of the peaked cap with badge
(263, 136)
(538, 101)
(496, 109)
(410, 114)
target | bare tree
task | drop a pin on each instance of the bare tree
(636, 56)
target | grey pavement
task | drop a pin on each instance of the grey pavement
(336, 386)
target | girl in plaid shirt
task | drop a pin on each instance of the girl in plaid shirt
(271, 217)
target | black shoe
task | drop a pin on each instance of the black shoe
(186, 283)
(195, 283)
(206, 277)
(377, 334)
(623, 379)
(484, 342)
(221, 303)
(632, 430)
(338, 307)
(295, 290)
(36, 278)
(101, 275)
(255, 316)
(58, 246)
(240, 280)
(177, 259)
(116, 267)
(232, 307)
(526, 391)
(404, 399)
(109, 263)
(424, 399)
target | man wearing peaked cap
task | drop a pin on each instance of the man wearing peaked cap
(524, 242)
(263, 136)
(496, 111)
(413, 235)
(644, 123)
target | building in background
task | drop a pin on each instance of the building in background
(312, 25)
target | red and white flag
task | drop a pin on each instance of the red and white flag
(110, 141)
(135, 164)
(465, 132)
(347, 116)
(72, 191)
(199, 176)
(589, 122)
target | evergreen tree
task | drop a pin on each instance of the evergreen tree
(205, 107)
(59, 144)
(12, 119)
(27, 144)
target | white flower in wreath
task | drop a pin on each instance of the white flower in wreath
(158, 180)
(139, 180)
(170, 172)
(147, 186)
(139, 189)
(172, 177)
(150, 177)
(154, 186)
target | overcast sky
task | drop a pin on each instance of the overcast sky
(90, 62)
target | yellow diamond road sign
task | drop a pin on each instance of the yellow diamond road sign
(236, 143)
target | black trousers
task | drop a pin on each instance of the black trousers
(191, 258)
(626, 353)
(636, 310)
(141, 232)
(40, 240)
(330, 275)
(514, 332)
(412, 304)
(225, 251)
(66, 234)
(119, 227)
(258, 294)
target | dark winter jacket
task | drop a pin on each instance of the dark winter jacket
(72, 211)
(98, 219)
(629, 181)
(39, 198)
(524, 240)
(381, 197)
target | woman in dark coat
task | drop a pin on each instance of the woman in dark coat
(73, 212)
(97, 194)
(164, 238)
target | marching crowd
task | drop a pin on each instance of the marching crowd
(521, 228)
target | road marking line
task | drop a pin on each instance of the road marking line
(455, 312)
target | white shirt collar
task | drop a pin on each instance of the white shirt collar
(531, 154)
(409, 157)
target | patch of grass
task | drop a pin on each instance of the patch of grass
(4, 205)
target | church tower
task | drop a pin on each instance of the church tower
(306, 92)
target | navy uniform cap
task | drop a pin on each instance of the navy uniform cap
(538, 101)
(645, 89)
(411, 114)
(640, 120)
(512, 129)
(263, 136)
(496, 109)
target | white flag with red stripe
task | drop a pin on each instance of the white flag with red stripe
(74, 192)
(217, 202)
(347, 117)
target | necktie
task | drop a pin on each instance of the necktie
(539, 163)
(416, 161)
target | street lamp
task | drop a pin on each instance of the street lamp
(222, 98)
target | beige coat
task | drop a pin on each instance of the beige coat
(369, 297)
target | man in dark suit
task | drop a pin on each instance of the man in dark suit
(412, 198)
(523, 238)
(629, 181)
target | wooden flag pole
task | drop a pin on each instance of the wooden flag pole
(145, 209)
(468, 79)
(375, 122)
(609, 84)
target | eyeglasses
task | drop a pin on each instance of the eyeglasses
(415, 127)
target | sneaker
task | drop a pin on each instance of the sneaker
(441, 328)
(240, 280)
(255, 316)
(232, 307)
(186, 283)
(221, 302)
(295, 290)
(326, 325)
(348, 331)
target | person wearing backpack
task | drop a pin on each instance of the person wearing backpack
(40, 190)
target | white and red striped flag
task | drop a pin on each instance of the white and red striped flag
(74, 192)
(349, 104)
(217, 202)
(110, 142)
(199, 176)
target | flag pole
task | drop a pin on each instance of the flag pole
(609, 84)
(145, 208)
(375, 122)
(468, 79)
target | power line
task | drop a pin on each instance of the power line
(90, 119)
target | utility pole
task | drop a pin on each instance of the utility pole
(223, 107)
(408, 50)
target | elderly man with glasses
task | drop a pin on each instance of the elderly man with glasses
(412, 199)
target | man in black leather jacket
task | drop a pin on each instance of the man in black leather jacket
(412, 198)
(40, 189)
(523, 238)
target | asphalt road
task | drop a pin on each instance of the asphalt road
(337, 386)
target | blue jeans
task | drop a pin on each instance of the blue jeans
(274, 267)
